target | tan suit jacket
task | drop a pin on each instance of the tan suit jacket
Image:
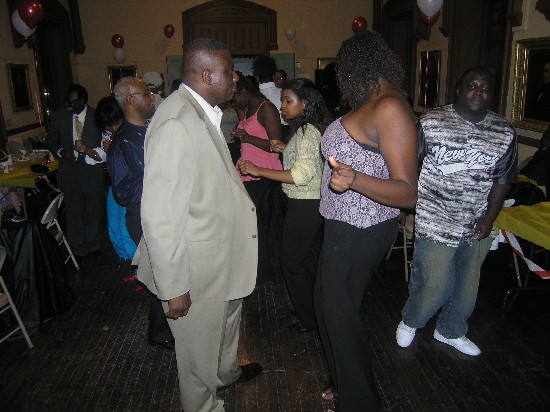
(199, 224)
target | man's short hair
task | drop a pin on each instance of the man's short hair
(80, 91)
(122, 88)
(283, 73)
(264, 67)
(197, 45)
(477, 69)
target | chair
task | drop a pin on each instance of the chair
(6, 303)
(408, 241)
(50, 220)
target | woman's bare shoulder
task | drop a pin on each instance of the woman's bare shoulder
(268, 108)
(391, 102)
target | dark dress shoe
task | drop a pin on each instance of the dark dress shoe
(167, 344)
(250, 372)
(299, 328)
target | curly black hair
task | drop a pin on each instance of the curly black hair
(361, 62)
(264, 67)
(315, 111)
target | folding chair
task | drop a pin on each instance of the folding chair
(6, 303)
(408, 241)
(50, 220)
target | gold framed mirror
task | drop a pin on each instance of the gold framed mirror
(531, 99)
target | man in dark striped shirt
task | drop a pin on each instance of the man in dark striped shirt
(469, 163)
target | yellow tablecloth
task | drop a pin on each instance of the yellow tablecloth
(22, 176)
(522, 178)
(531, 223)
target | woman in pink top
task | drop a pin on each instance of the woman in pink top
(258, 126)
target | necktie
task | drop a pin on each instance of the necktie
(78, 126)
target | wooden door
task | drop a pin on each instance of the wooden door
(248, 38)
(245, 27)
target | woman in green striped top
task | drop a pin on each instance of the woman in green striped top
(304, 109)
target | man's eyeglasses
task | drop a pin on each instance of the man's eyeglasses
(148, 93)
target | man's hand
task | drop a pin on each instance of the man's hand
(178, 307)
(68, 155)
(342, 176)
(80, 147)
(483, 228)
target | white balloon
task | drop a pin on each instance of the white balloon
(290, 33)
(429, 7)
(20, 26)
(118, 55)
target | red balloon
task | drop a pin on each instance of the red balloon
(20, 26)
(117, 40)
(430, 21)
(359, 24)
(31, 12)
(169, 30)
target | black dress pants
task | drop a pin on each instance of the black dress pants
(158, 331)
(301, 225)
(349, 258)
(262, 192)
(85, 213)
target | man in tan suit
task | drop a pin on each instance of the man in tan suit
(198, 252)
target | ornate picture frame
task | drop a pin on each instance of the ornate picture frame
(531, 98)
(117, 72)
(20, 87)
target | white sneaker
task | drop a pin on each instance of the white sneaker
(462, 344)
(404, 335)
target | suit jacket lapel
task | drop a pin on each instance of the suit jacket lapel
(216, 138)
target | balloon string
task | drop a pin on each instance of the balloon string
(427, 68)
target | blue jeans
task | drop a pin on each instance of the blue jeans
(444, 277)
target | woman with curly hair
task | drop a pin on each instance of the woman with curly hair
(304, 109)
(370, 172)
